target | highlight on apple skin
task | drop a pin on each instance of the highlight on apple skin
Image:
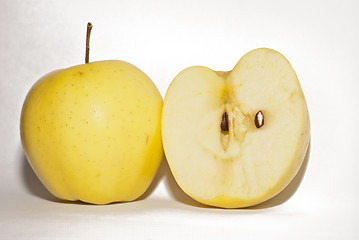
(236, 139)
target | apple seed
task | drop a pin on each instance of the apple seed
(259, 119)
(224, 122)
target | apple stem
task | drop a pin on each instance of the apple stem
(89, 27)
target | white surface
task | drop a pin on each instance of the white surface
(319, 38)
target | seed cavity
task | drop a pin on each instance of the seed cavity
(224, 122)
(259, 119)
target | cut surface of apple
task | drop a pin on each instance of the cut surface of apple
(236, 139)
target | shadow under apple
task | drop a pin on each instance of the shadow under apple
(290, 189)
(162, 172)
(32, 182)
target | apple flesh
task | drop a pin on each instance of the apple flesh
(235, 139)
(92, 132)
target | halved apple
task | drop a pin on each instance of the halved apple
(236, 139)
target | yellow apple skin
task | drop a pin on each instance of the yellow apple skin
(92, 132)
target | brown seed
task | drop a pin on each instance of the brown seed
(224, 122)
(259, 119)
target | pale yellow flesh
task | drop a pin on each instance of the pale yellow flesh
(92, 132)
(247, 165)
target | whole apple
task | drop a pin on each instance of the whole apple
(92, 132)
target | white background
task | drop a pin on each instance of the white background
(319, 38)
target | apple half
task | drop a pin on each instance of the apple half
(236, 139)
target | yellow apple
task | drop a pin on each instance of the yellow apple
(235, 139)
(92, 132)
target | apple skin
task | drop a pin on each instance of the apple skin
(92, 132)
